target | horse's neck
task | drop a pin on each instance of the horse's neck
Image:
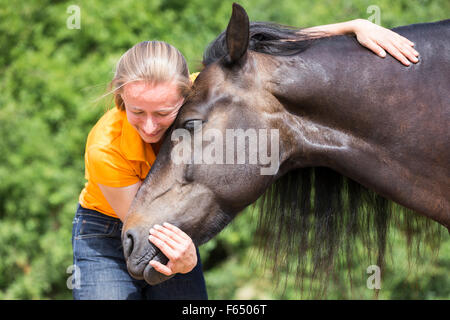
(318, 121)
(352, 115)
(311, 113)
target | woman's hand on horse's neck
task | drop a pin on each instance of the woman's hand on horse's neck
(373, 37)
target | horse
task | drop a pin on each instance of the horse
(358, 138)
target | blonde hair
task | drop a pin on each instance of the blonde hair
(153, 61)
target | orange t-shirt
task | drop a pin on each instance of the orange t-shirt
(115, 156)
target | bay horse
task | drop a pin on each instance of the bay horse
(356, 133)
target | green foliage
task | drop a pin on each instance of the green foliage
(50, 78)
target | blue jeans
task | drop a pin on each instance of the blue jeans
(100, 270)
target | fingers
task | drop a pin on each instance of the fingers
(406, 47)
(375, 48)
(409, 54)
(176, 230)
(400, 48)
(164, 247)
(396, 53)
(158, 266)
(401, 45)
(168, 236)
(406, 40)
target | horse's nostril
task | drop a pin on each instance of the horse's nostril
(128, 243)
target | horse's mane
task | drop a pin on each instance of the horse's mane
(316, 214)
(265, 37)
(326, 220)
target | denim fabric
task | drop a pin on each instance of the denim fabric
(100, 267)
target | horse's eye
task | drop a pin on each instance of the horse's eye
(192, 124)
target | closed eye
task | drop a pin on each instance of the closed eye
(192, 124)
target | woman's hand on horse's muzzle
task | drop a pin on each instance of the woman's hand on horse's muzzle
(177, 246)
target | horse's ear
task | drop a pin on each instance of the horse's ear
(237, 35)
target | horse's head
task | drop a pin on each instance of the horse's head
(218, 157)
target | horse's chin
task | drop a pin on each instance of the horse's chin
(144, 271)
(153, 277)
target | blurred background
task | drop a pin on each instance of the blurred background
(54, 68)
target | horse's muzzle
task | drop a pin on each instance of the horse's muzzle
(138, 252)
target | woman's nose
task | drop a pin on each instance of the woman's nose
(149, 125)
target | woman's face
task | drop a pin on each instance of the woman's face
(151, 109)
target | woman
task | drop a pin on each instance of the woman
(149, 86)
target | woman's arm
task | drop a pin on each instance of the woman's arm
(373, 37)
(120, 198)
